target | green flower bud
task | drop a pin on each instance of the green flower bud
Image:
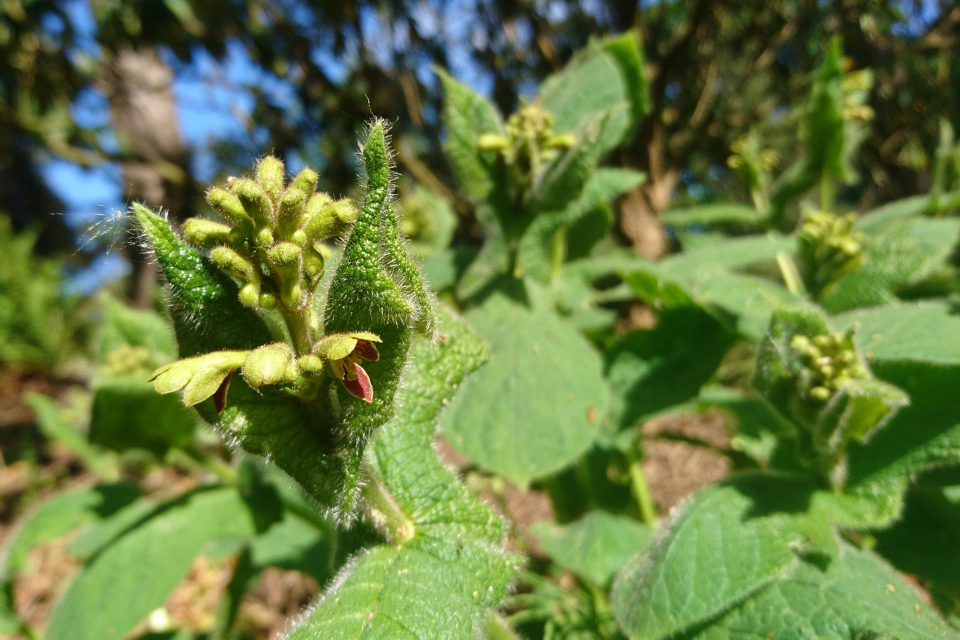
(562, 141)
(332, 220)
(313, 263)
(264, 237)
(249, 295)
(306, 181)
(492, 142)
(206, 233)
(290, 212)
(285, 259)
(234, 264)
(200, 377)
(229, 206)
(255, 202)
(268, 300)
(310, 364)
(270, 175)
(269, 365)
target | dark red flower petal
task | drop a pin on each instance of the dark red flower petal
(366, 350)
(220, 396)
(361, 387)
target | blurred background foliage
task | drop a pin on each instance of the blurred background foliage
(107, 101)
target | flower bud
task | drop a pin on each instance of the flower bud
(305, 181)
(285, 259)
(310, 364)
(268, 365)
(492, 142)
(200, 377)
(332, 220)
(255, 202)
(229, 206)
(206, 233)
(270, 175)
(290, 212)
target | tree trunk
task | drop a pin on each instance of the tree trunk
(142, 106)
(641, 206)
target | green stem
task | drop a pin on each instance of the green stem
(558, 251)
(641, 491)
(384, 510)
(298, 323)
(790, 273)
(218, 467)
(826, 192)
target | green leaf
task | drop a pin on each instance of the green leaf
(437, 582)
(595, 547)
(207, 316)
(751, 299)
(467, 116)
(537, 405)
(123, 325)
(134, 576)
(855, 596)
(902, 255)
(721, 213)
(651, 370)
(607, 75)
(60, 515)
(759, 431)
(562, 182)
(727, 543)
(917, 348)
(48, 415)
(127, 413)
(295, 544)
(926, 543)
(733, 254)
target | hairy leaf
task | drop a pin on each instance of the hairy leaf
(436, 581)
(595, 547)
(538, 404)
(134, 576)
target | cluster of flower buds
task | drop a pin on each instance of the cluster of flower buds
(529, 140)
(856, 86)
(747, 153)
(830, 361)
(337, 354)
(829, 248)
(273, 243)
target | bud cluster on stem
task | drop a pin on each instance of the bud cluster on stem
(829, 248)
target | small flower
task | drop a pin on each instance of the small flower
(345, 351)
(200, 377)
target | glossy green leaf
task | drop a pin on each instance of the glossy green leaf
(437, 581)
(134, 576)
(537, 405)
(725, 544)
(856, 595)
(595, 547)
(654, 369)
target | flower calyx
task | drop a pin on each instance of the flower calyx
(200, 377)
(345, 351)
